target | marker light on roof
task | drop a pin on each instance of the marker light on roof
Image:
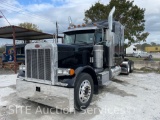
(95, 24)
(78, 26)
(83, 25)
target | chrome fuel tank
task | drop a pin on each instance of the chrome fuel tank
(98, 56)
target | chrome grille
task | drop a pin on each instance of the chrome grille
(38, 64)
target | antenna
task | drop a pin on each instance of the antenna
(70, 22)
(57, 31)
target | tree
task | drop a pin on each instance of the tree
(142, 46)
(2, 49)
(30, 26)
(96, 12)
(153, 44)
(130, 15)
(138, 46)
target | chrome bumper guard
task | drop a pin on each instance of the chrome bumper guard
(54, 96)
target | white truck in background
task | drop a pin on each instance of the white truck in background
(131, 50)
(142, 54)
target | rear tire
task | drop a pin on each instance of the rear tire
(83, 91)
(131, 64)
(150, 56)
(128, 68)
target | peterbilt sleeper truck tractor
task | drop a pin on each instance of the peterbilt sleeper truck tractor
(66, 76)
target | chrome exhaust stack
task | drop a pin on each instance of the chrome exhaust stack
(110, 38)
(111, 44)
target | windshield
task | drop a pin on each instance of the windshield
(69, 39)
(83, 37)
(79, 37)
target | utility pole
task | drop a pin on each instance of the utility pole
(4, 17)
(14, 39)
(57, 30)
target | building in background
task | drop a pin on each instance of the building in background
(20, 54)
(152, 49)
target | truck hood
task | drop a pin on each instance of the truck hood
(69, 55)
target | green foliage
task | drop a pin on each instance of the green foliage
(153, 44)
(144, 45)
(96, 12)
(130, 15)
(30, 26)
(138, 46)
(126, 45)
(2, 49)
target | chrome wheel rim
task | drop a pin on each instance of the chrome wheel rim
(84, 91)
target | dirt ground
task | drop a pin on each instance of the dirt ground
(133, 97)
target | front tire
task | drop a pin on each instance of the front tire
(83, 91)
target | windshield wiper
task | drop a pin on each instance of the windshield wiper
(83, 42)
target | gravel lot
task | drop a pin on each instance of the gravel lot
(5, 71)
(155, 55)
(133, 97)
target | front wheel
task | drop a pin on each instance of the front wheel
(83, 91)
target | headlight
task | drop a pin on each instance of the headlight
(22, 67)
(63, 71)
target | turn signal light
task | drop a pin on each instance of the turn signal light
(71, 72)
(64, 71)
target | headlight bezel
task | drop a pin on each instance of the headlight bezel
(65, 71)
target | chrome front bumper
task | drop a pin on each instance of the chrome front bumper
(54, 96)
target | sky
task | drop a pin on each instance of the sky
(45, 13)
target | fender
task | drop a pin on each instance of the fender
(87, 69)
